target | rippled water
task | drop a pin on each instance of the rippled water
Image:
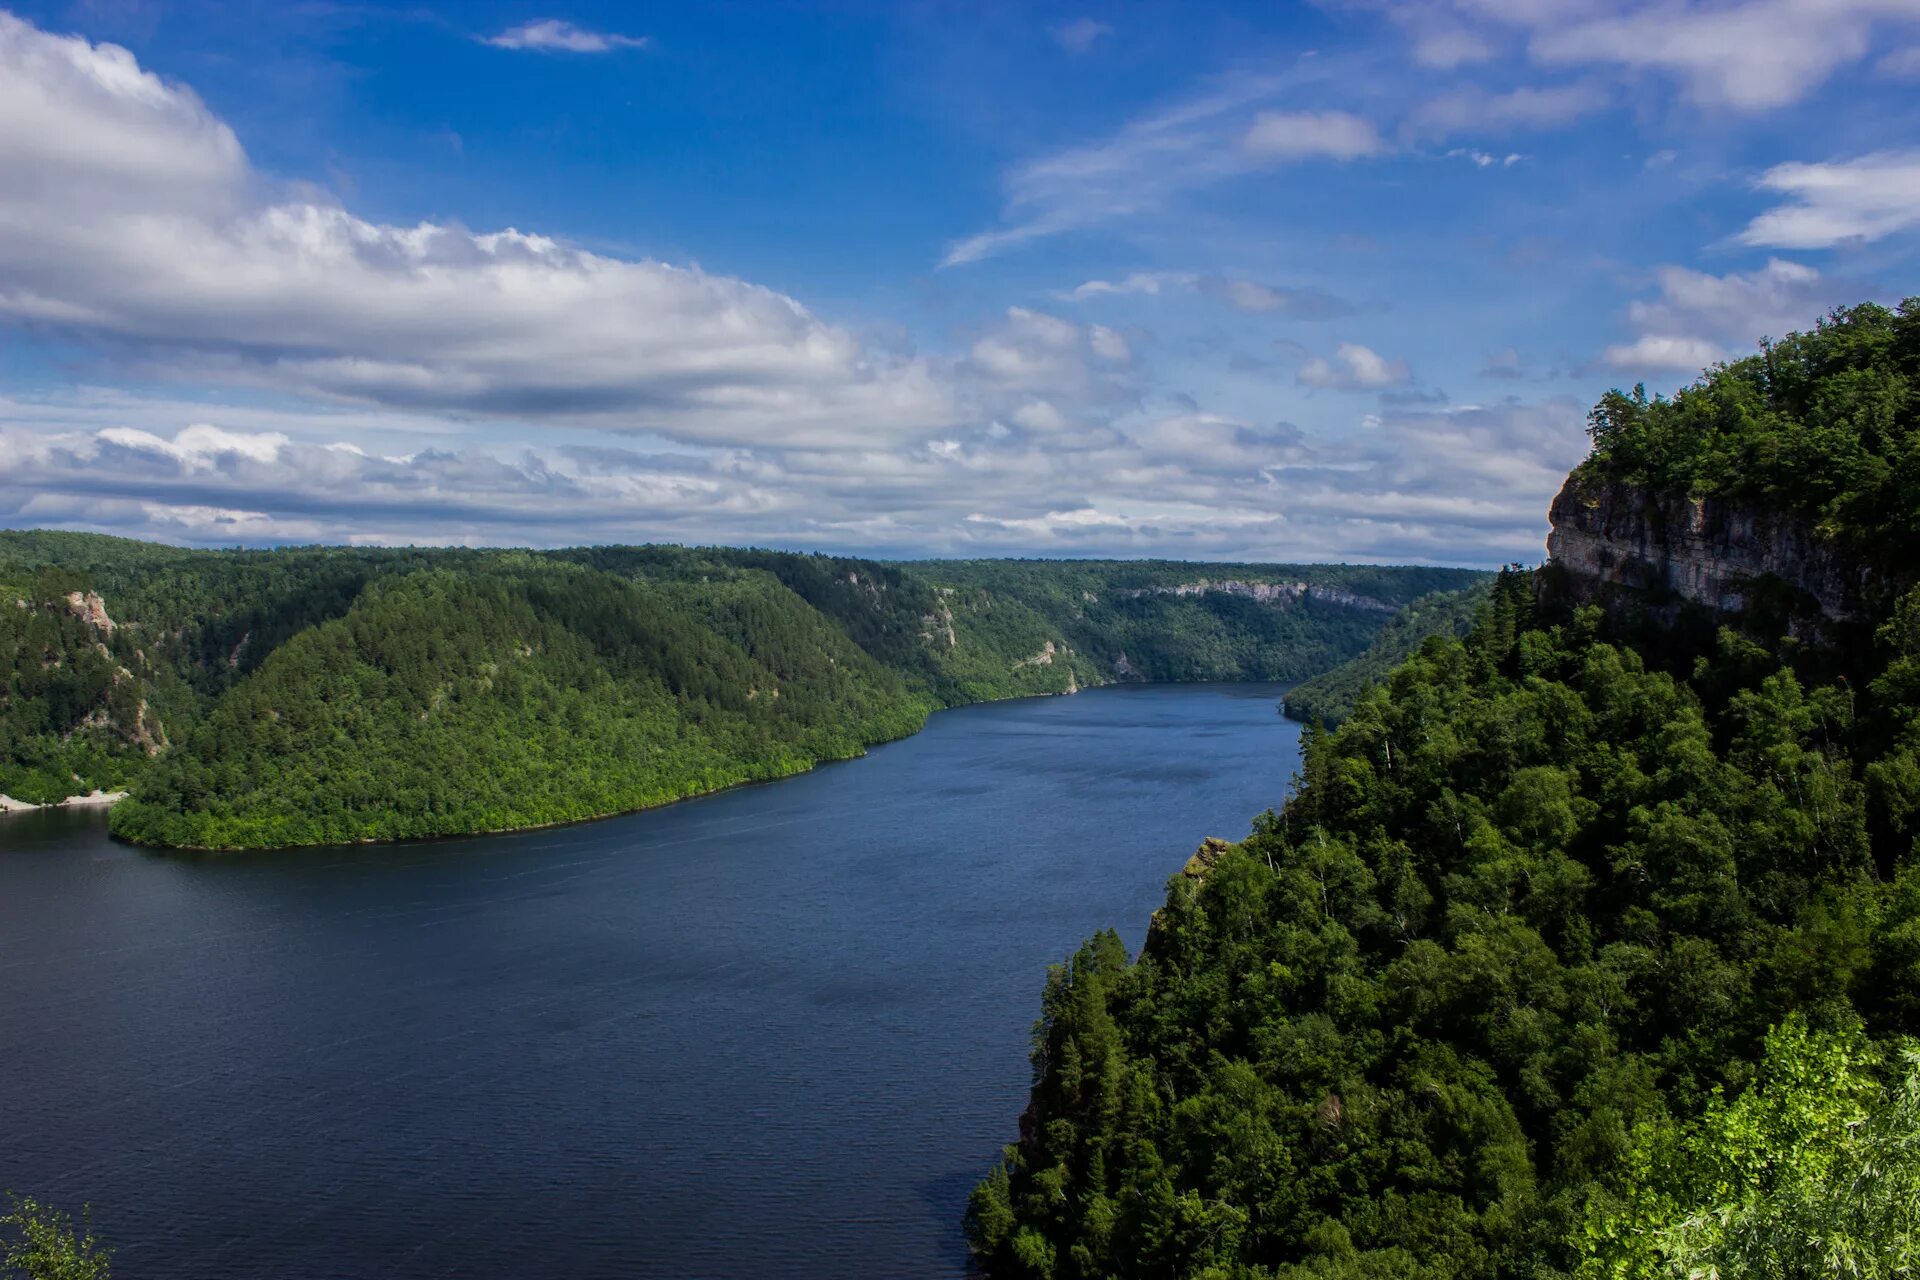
(777, 1032)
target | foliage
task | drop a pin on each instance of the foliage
(1492, 994)
(445, 702)
(43, 1244)
(323, 694)
(1145, 619)
(1813, 1170)
(1818, 423)
(1328, 698)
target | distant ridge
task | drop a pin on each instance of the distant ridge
(326, 694)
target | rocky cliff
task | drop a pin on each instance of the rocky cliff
(1612, 542)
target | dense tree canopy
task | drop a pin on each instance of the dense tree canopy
(1566, 956)
(1819, 424)
(324, 694)
(1328, 698)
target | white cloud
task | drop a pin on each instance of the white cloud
(1474, 110)
(1353, 368)
(1485, 160)
(1867, 198)
(1143, 283)
(1107, 344)
(1465, 485)
(1302, 135)
(1665, 352)
(1752, 56)
(1738, 306)
(138, 223)
(1747, 55)
(550, 35)
(1699, 319)
(1028, 353)
(1152, 160)
(81, 122)
(130, 213)
(1447, 47)
(1080, 35)
(1248, 296)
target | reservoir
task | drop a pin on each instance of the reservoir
(776, 1033)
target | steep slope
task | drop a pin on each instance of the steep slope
(1162, 620)
(76, 705)
(325, 693)
(448, 702)
(1328, 698)
(1552, 891)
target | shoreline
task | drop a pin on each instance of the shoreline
(217, 851)
(95, 799)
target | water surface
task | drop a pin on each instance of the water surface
(777, 1032)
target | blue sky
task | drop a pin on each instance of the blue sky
(1315, 281)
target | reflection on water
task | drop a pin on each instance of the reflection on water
(777, 1032)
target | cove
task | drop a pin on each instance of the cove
(774, 1032)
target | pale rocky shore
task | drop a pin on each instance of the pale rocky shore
(93, 799)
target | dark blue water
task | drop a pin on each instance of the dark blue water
(773, 1033)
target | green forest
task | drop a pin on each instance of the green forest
(324, 694)
(1578, 950)
(1329, 698)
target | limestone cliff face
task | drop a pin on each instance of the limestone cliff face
(1669, 550)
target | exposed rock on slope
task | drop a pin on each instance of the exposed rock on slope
(1274, 593)
(1671, 551)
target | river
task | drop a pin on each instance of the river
(776, 1032)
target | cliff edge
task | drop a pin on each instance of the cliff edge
(1614, 543)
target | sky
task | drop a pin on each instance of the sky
(1265, 281)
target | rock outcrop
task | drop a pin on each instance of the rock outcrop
(1280, 594)
(90, 609)
(1211, 850)
(1666, 552)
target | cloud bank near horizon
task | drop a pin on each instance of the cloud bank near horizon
(338, 377)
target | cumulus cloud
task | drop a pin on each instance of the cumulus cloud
(1032, 352)
(1663, 352)
(1463, 485)
(1867, 198)
(1303, 135)
(1353, 368)
(551, 35)
(1698, 318)
(133, 217)
(131, 213)
(1747, 55)
(1753, 56)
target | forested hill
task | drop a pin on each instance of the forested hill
(1589, 943)
(1329, 697)
(260, 698)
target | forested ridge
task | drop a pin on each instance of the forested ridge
(311, 695)
(1580, 948)
(1329, 697)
